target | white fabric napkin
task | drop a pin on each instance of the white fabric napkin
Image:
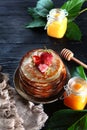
(15, 112)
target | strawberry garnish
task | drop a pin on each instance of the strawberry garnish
(36, 59)
(43, 61)
(46, 58)
(43, 67)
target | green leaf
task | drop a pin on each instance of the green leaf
(39, 13)
(81, 124)
(38, 22)
(33, 13)
(73, 32)
(48, 4)
(73, 7)
(43, 7)
(79, 71)
(63, 119)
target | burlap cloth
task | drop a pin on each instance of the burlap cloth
(16, 113)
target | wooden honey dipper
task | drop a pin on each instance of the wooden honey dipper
(69, 55)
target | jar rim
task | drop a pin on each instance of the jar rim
(69, 88)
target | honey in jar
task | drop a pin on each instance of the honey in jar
(57, 23)
(75, 95)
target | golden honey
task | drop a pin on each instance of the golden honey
(75, 95)
(57, 23)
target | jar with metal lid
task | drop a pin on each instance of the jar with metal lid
(75, 95)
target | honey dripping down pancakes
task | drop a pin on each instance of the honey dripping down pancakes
(42, 74)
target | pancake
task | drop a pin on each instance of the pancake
(42, 84)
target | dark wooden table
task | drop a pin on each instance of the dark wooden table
(16, 40)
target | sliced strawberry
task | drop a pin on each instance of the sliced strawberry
(46, 58)
(36, 59)
(42, 67)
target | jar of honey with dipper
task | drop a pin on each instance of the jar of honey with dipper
(75, 95)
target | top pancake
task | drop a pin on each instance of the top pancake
(32, 73)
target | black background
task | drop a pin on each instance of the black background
(16, 40)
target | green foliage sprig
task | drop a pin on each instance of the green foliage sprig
(73, 7)
(68, 119)
(79, 71)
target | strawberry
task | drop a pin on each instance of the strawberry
(36, 59)
(42, 67)
(46, 58)
(43, 61)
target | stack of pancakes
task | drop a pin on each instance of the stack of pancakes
(38, 84)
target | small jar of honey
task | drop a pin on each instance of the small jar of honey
(57, 23)
(75, 95)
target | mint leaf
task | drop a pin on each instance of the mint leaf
(73, 7)
(73, 32)
(63, 119)
(81, 124)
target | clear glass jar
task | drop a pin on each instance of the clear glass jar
(75, 95)
(57, 23)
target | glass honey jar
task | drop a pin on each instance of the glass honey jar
(75, 95)
(57, 23)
